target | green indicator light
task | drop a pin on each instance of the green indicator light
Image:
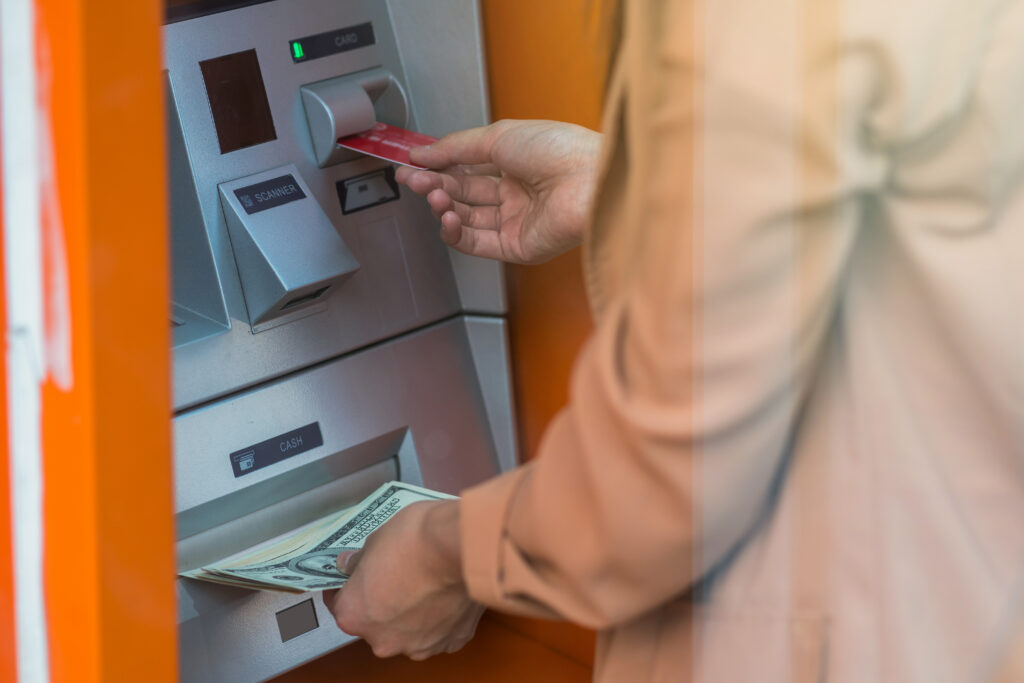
(297, 50)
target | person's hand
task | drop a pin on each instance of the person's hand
(405, 594)
(516, 191)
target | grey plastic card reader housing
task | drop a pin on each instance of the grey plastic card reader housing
(347, 105)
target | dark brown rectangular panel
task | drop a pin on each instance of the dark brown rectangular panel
(238, 100)
(296, 620)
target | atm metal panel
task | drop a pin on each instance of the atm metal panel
(411, 408)
(401, 371)
(404, 282)
(427, 379)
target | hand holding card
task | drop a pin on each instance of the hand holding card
(387, 142)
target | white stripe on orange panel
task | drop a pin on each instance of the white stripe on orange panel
(19, 117)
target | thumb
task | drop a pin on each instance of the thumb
(472, 146)
(347, 561)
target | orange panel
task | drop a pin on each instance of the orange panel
(8, 660)
(545, 60)
(557, 72)
(108, 510)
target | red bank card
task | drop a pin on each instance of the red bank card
(387, 142)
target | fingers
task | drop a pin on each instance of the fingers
(347, 561)
(470, 240)
(463, 187)
(472, 146)
(440, 202)
(402, 173)
(465, 205)
(389, 642)
(334, 601)
(347, 612)
(479, 217)
(330, 596)
(481, 169)
(449, 645)
(472, 229)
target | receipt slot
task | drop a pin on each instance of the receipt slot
(325, 339)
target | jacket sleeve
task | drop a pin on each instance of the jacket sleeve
(748, 163)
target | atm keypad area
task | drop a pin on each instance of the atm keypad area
(324, 339)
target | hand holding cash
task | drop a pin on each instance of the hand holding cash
(306, 560)
(407, 594)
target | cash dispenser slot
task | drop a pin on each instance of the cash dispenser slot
(259, 625)
(350, 104)
(288, 501)
(282, 518)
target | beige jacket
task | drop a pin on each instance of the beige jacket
(795, 445)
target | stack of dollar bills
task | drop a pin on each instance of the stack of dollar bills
(306, 560)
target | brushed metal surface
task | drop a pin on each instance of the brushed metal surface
(431, 406)
(417, 270)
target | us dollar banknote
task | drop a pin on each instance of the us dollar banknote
(306, 561)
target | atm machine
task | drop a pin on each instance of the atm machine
(325, 339)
